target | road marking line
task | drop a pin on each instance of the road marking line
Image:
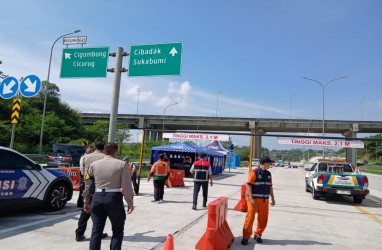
(372, 216)
(38, 222)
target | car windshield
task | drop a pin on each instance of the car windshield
(61, 149)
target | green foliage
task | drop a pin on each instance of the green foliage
(61, 123)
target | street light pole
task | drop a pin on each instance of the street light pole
(217, 103)
(47, 89)
(323, 86)
(138, 100)
(164, 114)
(290, 106)
(362, 107)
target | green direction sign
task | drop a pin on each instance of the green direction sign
(155, 59)
(84, 62)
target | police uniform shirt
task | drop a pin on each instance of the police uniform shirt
(89, 159)
(110, 173)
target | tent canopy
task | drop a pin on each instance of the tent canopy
(185, 148)
(217, 146)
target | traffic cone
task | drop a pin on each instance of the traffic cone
(242, 205)
(169, 244)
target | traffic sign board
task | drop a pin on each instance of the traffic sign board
(75, 40)
(84, 62)
(9, 87)
(30, 86)
(155, 59)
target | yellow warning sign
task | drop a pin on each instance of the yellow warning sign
(16, 111)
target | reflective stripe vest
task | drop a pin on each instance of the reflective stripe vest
(160, 168)
(262, 186)
(202, 170)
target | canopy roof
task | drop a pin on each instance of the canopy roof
(182, 147)
(217, 146)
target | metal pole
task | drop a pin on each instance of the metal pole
(362, 107)
(164, 114)
(323, 105)
(138, 100)
(217, 103)
(290, 106)
(47, 90)
(115, 97)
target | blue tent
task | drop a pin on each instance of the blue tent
(177, 152)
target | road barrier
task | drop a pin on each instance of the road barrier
(169, 244)
(176, 178)
(74, 174)
(242, 205)
(218, 234)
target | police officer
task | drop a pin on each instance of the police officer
(85, 161)
(89, 150)
(112, 181)
(201, 169)
(133, 173)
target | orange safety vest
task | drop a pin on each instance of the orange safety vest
(160, 168)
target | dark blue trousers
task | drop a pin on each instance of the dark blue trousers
(197, 185)
(107, 205)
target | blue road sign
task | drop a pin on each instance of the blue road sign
(30, 86)
(9, 87)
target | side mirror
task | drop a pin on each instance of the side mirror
(37, 167)
(307, 169)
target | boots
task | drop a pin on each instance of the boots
(204, 204)
(194, 207)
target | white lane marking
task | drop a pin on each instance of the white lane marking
(38, 222)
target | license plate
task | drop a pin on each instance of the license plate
(343, 192)
(57, 159)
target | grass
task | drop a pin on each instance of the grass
(372, 169)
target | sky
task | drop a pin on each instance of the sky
(239, 58)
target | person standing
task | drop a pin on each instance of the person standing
(160, 171)
(202, 172)
(259, 189)
(133, 173)
(86, 161)
(88, 150)
(187, 166)
(112, 181)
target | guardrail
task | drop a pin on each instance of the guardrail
(36, 156)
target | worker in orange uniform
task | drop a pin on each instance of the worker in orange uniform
(160, 171)
(259, 188)
(201, 169)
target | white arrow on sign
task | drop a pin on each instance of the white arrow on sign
(31, 86)
(8, 88)
(67, 55)
(173, 51)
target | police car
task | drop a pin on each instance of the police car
(23, 183)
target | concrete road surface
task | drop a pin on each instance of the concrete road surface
(296, 222)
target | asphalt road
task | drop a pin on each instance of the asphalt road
(296, 222)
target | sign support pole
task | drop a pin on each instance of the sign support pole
(116, 89)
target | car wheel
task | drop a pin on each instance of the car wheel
(57, 197)
(357, 199)
(315, 195)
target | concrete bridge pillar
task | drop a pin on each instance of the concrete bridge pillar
(257, 146)
(257, 139)
(351, 153)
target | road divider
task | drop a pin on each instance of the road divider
(218, 234)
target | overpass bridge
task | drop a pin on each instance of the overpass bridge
(259, 127)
